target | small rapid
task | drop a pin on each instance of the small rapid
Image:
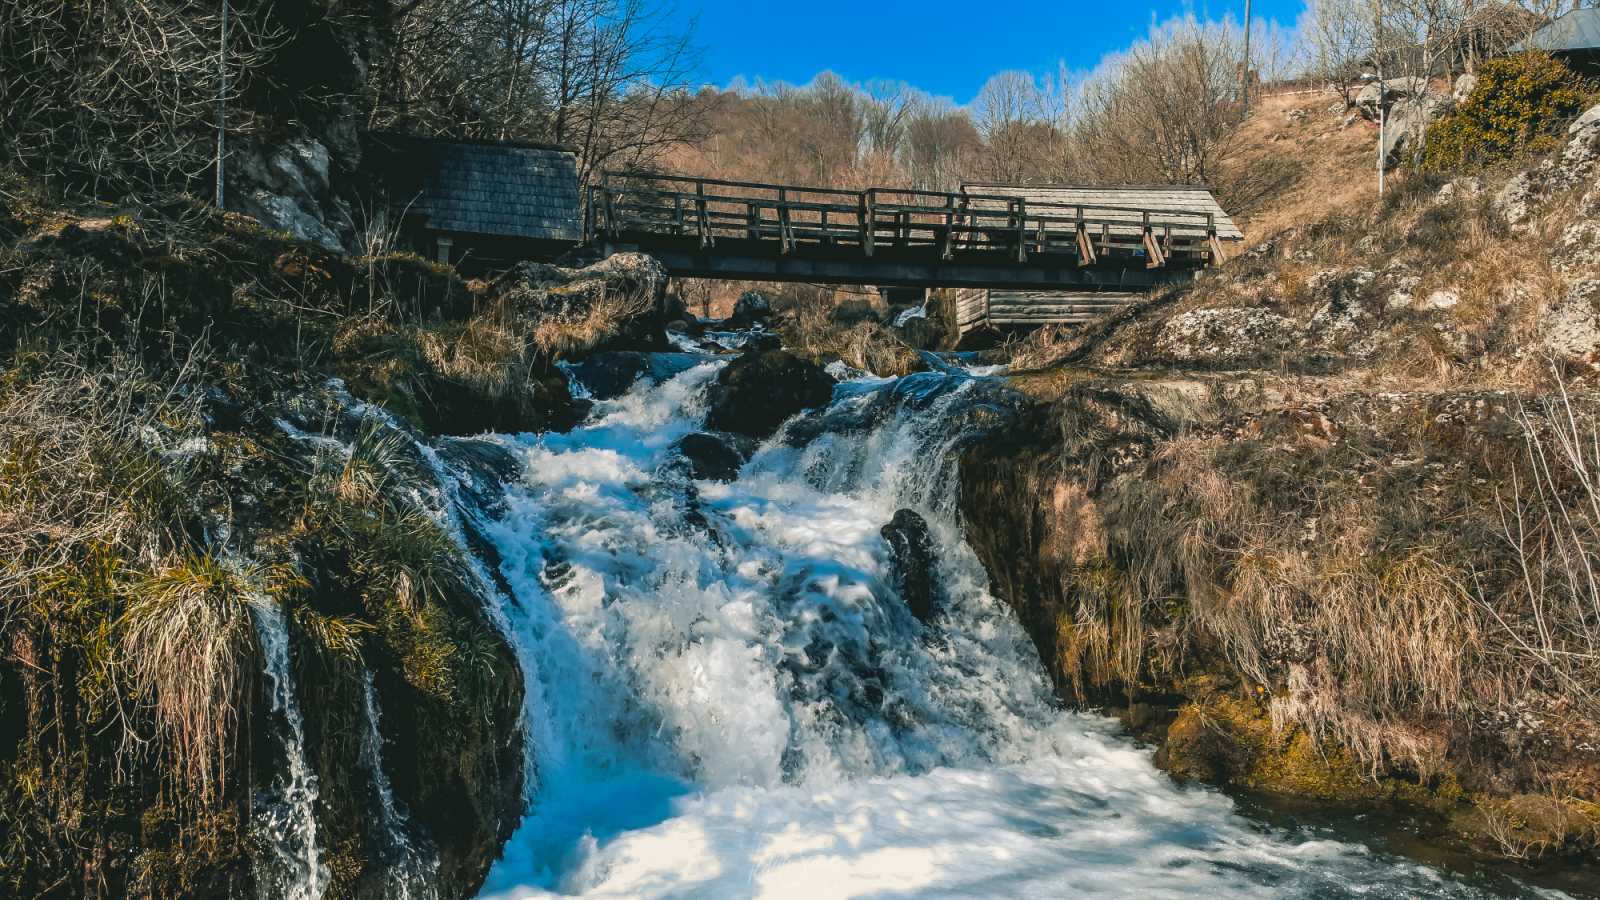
(727, 696)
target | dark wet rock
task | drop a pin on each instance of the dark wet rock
(543, 403)
(608, 375)
(914, 560)
(713, 457)
(750, 308)
(485, 467)
(759, 390)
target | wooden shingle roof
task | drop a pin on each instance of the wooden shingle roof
(484, 188)
(1116, 204)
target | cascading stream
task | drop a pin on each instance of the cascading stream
(294, 870)
(728, 698)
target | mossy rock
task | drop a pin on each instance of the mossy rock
(1227, 740)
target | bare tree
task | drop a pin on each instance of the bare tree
(1167, 110)
(1023, 120)
(1338, 35)
(125, 97)
(609, 78)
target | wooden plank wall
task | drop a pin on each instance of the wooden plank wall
(972, 308)
(1053, 307)
(975, 308)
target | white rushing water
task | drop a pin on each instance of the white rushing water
(411, 870)
(727, 697)
(294, 870)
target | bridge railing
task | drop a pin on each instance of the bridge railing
(789, 218)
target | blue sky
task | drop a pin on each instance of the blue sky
(945, 47)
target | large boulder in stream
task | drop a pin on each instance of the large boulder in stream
(751, 307)
(912, 555)
(761, 389)
(618, 303)
(714, 457)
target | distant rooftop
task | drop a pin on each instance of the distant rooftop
(1575, 32)
(501, 189)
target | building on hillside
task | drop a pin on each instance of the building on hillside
(1573, 38)
(1121, 212)
(479, 204)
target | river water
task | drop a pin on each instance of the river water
(728, 698)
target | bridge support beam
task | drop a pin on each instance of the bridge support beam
(888, 269)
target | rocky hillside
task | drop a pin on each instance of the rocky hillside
(233, 581)
(1323, 522)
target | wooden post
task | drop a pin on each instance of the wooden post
(1022, 230)
(869, 219)
(677, 214)
(1152, 246)
(700, 209)
(1086, 254)
(947, 250)
(785, 234)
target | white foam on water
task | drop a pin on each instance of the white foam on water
(294, 868)
(727, 697)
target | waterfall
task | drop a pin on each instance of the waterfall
(728, 698)
(287, 817)
(411, 871)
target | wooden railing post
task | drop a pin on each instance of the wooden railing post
(700, 208)
(677, 214)
(1022, 230)
(1217, 257)
(1086, 254)
(1151, 246)
(869, 219)
(947, 250)
(785, 232)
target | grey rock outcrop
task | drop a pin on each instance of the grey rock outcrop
(1524, 196)
(750, 308)
(615, 304)
(1570, 330)
(289, 188)
(1373, 99)
(1224, 336)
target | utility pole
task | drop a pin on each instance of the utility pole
(1245, 87)
(1383, 89)
(222, 102)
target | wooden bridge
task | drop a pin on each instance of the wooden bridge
(1004, 237)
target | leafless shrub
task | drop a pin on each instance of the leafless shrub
(123, 95)
(1167, 110)
(1550, 617)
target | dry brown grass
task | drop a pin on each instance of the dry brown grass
(1284, 174)
(566, 334)
(185, 641)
